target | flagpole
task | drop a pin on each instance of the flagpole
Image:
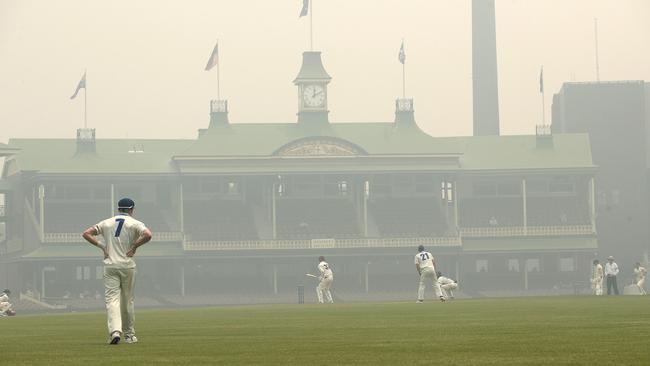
(541, 80)
(403, 75)
(311, 26)
(218, 66)
(85, 100)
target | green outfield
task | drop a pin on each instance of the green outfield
(508, 331)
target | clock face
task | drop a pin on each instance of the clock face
(313, 95)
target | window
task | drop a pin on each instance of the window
(99, 272)
(80, 273)
(532, 265)
(233, 189)
(513, 265)
(481, 265)
(343, 188)
(567, 264)
(86, 273)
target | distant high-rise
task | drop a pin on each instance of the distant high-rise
(615, 114)
(484, 69)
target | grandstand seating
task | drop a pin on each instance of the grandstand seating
(72, 217)
(219, 220)
(69, 217)
(316, 218)
(557, 211)
(408, 217)
(477, 211)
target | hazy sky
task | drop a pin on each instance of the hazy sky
(145, 60)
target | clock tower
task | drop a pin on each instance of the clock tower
(312, 83)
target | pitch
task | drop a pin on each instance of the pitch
(513, 331)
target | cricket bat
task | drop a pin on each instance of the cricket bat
(310, 275)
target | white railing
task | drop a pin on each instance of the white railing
(321, 243)
(505, 231)
(76, 237)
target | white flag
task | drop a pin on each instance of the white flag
(214, 58)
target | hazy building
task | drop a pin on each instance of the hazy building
(615, 115)
(246, 208)
(485, 84)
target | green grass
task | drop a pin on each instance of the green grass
(511, 331)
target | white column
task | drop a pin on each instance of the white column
(366, 185)
(455, 198)
(592, 188)
(458, 269)
(181, 205)
(524, 195)
(41, 202)
(273, 218)
(112, 199)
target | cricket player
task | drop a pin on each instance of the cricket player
(447, 285)
(640, 273)
(122, 236)
(611, 271)
(4, 302)
(597, 279)
(326, 277)
(425, 265)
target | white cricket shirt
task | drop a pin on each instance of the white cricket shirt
(424, 259)
(325, 270)
(442, 280)
(119, 233)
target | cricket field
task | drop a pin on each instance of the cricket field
(580, 330)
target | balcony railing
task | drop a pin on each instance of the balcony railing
(2, 211)
(514, 231)
(76, 237)
(322, 243)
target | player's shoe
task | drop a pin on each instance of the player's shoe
(130, 339)
(420, 302)
(442, 299)
(115, 338)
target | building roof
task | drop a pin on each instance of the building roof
(245, 140)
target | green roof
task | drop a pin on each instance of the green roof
(522, 152)
(475, 153)
(529, 244)
(65, 251)
(112, 156)
(264, 139)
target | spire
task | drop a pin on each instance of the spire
(312, 68)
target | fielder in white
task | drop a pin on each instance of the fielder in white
(122, 235)
(447, 285)
(4, 302)
(425, 265)
(640, 273)
(326, 278)
(597, 279)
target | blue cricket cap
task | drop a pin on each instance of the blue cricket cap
(125, 203)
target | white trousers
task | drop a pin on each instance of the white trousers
(428, 274)
(447, 289)
(640, 283)
(598, 286)
(324, 287)
(119, 284)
